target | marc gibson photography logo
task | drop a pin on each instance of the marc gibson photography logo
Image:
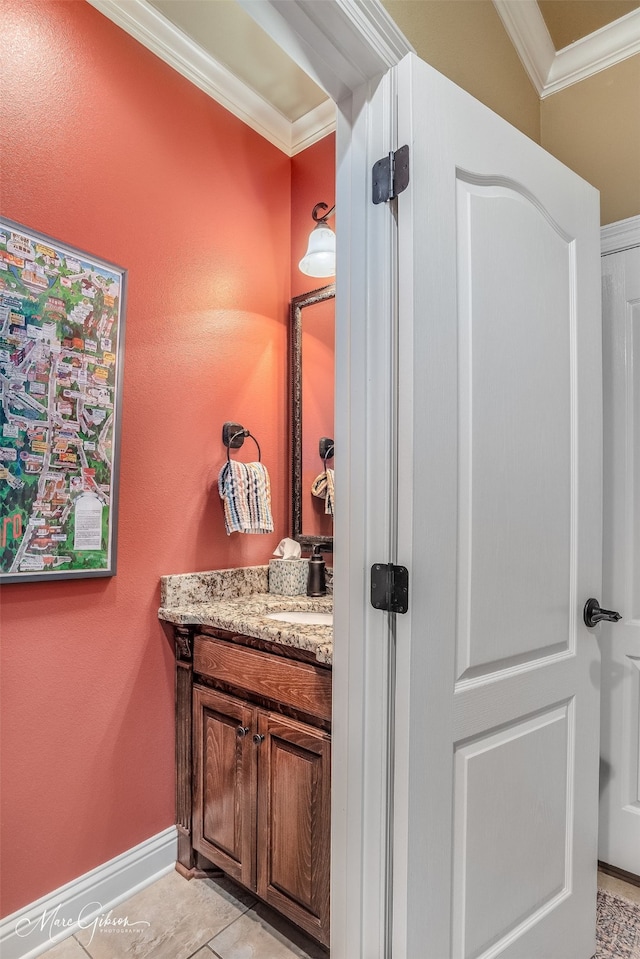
(54, 923)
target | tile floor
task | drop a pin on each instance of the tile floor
(205, 919)
(200, 919)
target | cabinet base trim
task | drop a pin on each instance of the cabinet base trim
(197, 873)
(106, 885)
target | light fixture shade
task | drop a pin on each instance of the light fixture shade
(320, 258)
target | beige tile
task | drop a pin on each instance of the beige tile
(67, 949)
(204, 953)
(171, 919)
(619, 887)
(262, 934)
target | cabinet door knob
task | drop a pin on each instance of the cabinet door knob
(242, 731)
(258, 738)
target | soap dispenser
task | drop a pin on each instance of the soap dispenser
(316, 579)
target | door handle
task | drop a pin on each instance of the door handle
(258, 739)
(242, 731)
(594, 614)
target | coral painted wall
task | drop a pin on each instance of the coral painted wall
(105, 147)
(313, 180)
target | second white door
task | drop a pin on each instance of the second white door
(619, 842)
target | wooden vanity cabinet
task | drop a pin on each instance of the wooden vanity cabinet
(261, 777)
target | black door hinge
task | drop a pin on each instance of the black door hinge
(391, 175)
(390, 587)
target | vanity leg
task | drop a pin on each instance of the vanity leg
(186, 861)
(189, 863)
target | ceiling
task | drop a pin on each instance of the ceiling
(228, 34)
(218, 46)
(571, 20)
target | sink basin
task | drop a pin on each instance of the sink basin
(306, 617)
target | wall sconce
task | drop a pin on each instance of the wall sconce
(320, 258)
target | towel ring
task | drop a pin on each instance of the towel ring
(243, 433)
(326, 449)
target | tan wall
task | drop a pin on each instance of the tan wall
(465, 40)
(594, 127)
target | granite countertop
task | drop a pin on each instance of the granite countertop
(238, 600)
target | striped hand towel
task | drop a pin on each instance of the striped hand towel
(246, 493)
(322, 486)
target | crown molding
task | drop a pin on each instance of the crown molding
(313, 126)
(147, 25)
(529, 35)
(600, 50)
(374, 22)
(551, 71)
(621, 235)
(340, 44)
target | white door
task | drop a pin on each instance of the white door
(500, 438)
(619, 836)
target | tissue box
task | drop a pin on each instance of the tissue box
(328, 579)
(288, 577)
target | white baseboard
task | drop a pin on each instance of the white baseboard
(38, 926)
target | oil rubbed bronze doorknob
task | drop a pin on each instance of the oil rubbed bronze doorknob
(258, 739)
(242, 731)
(593, 614)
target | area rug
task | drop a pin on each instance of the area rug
(618, 927)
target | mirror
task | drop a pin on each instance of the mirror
(312, 339)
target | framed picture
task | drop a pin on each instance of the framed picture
(61, 364)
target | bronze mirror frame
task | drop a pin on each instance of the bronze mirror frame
(298, 304)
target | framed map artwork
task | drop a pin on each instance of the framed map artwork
(61, 365)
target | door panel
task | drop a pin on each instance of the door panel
(619, 842)
(500, 526)
(516, 276)
(500, 803)
(224, 783)
(294, 771)
(294, 821)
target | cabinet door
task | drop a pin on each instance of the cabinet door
(293, 845)
(224, 769)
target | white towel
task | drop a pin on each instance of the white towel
(246, 493)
